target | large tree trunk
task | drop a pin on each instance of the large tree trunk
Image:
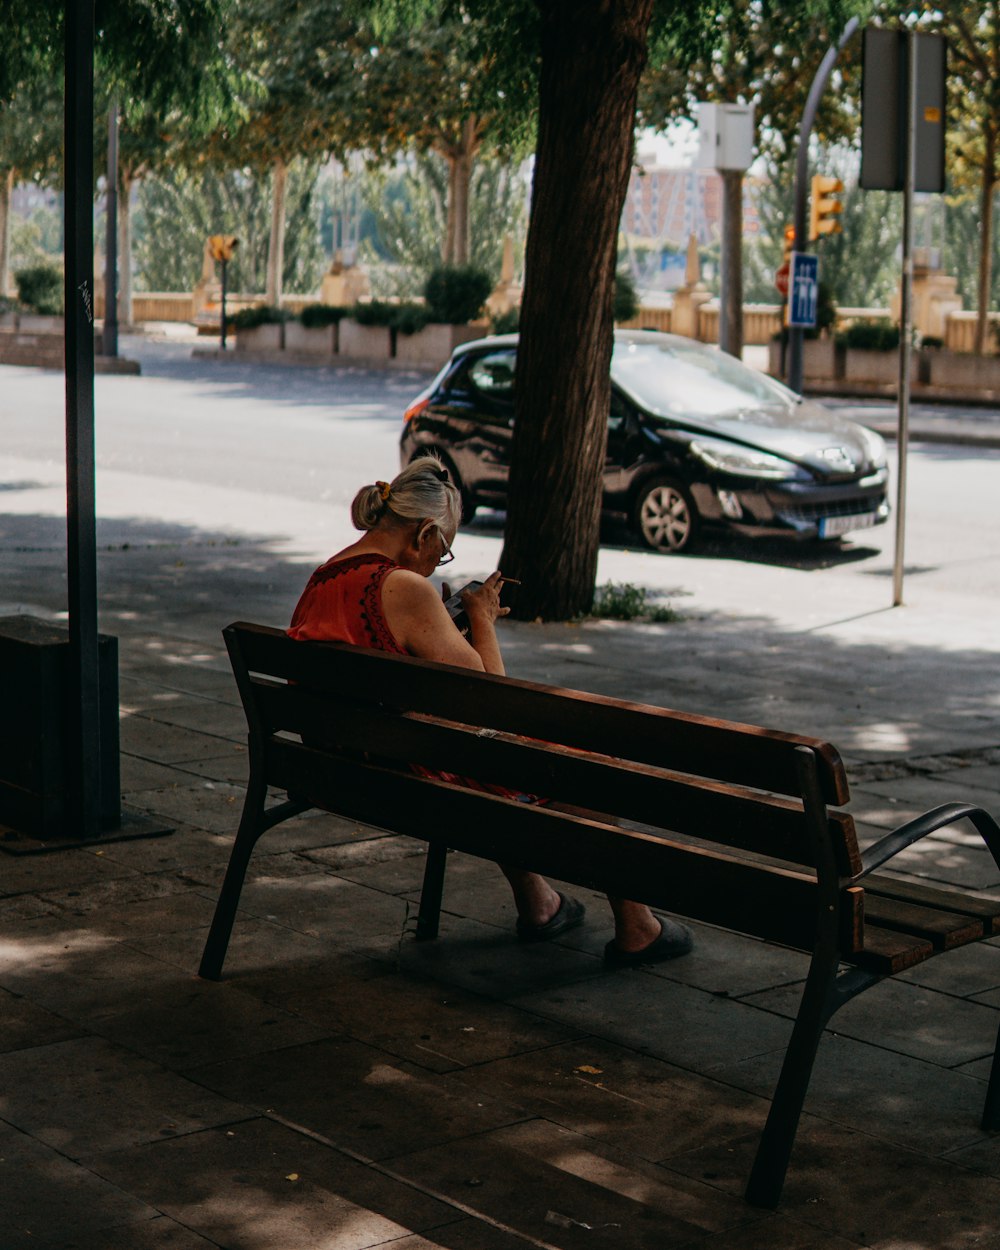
(276, 250)
(987, 188)
(125, 249)
(460, 157)
(731, 251)
(6, 191)
(592, 56)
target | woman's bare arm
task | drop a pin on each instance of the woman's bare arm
(420, 622)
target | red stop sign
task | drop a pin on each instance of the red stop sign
(781, 278)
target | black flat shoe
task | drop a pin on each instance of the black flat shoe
(674, 940)
(570, 914)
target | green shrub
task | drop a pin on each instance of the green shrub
(374, 312)
(264, 315)
(40, 289)
(411, 318)
(317, 316)
(506, 322)
(456, 294)
(621, 601)
(7, 305)
(932, 340)
(871, 336)
(626, 300)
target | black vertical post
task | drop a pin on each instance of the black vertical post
(83, 707)
(795, 333)
(109, 343)
(223, 262)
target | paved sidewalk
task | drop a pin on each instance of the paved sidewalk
(344, 1088)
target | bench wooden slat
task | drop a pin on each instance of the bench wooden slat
(743, 754)
(764, 900)
(945, 929)
(985, 909)
(735, 816)
(888, 952)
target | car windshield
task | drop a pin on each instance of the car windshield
(685, 379)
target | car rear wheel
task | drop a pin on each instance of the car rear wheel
(665, 516)
(468, 504)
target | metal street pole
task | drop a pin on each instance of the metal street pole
(83, 712)
(109, 342)
(795, 333)
(905, 317)
(222, 314)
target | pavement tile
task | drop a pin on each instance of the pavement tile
(230, 764)
(64, 869)
(158, 1233)
(224, 719)
(24, 1024)
(485, 959)
(969, 971)
(255, 945)
(910, 1019)
(562, 1188)
(355, 1095)
(856, 1186)
(260, 1185)
(432, 1027)
(118, 893)
(180, 848)
(168, 744)
(623, 1099)
(911, 1103)
(686, 1026)
(212, 805)
(322, 905)
(923, 793)
(193, 1021)
(48, 1200)
(73, 968)
(984, 1156)
(364, 851)
(86, 1095)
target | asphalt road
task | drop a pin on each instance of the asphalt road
(264, 450)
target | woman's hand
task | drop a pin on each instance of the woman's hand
(482, 603)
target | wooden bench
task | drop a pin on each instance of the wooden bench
(737, 825)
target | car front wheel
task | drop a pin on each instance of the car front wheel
(665, 516)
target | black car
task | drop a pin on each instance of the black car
(695, 439)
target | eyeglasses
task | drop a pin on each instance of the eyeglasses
(447, 555)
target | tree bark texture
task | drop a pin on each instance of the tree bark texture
(592, 56)
(461, 157)
(987, 189)
(276, 248)
(125, 249)
(6, 192)
(731, 307)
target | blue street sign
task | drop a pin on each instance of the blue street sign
(803, 289)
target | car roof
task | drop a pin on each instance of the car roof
(621, 336)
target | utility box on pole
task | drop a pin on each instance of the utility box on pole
(725, 136)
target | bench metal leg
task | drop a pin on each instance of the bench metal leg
(254, 822)
(432, 892)
(767, 1177)
(991, 1111)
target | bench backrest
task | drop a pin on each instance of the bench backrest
(717, 827)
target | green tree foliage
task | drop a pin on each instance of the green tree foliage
(409, 211)
(973, 34)
(178, 211)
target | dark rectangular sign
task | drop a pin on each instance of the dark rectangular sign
(885, 105)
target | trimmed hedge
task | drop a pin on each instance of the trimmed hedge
(455, 294)
(264, 315)
(318, 316)
(40, 289)
(871, 336)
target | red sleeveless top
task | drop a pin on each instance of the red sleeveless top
(342, 602)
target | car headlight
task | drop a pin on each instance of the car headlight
(745, 461)
(874, 446)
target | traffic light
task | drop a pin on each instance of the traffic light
(823, 207)
(789, 245)
(222, 246)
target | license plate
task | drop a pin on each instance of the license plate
(834, 526)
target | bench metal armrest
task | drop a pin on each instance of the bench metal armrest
(937, 818)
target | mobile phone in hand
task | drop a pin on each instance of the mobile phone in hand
(454, 607)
